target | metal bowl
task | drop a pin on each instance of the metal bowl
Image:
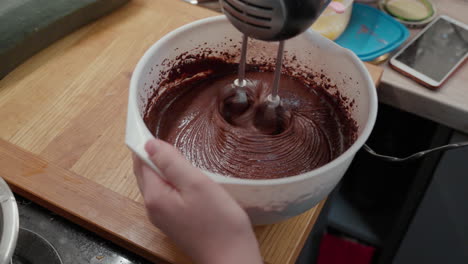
(9, 223)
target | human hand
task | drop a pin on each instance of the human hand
(192, 210)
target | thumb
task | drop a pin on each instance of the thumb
(175, 168)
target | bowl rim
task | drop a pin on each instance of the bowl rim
(10, 221)
(349, 153)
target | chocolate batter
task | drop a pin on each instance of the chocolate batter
(189, 114)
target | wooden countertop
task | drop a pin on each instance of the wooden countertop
(62, 119)
(449, 104)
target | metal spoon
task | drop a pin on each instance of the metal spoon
(415, 155)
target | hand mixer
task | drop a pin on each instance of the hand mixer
(269, 20)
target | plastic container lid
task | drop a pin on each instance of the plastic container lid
(372, 33)
(412, 24)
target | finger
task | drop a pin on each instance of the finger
(157, 193)
(176, 169)
(145, 176)
(152, 187)
(138, 164)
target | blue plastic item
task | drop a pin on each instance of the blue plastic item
(372, 33)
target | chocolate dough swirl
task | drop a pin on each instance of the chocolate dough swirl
(188, 116)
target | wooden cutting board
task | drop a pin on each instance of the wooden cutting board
(28, 26)
(62, 120)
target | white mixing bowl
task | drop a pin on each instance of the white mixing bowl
(272, 200)
(9, 223)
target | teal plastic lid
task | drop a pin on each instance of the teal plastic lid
(372, 33)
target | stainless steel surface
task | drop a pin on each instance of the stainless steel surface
(34, 249)
(279, 64)
(73, 244)
(270, 115)
(272, 20)
(416, 155)
(9, 223)
(235, 100)
(241, 74)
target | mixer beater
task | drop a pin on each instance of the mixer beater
(268, 20)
